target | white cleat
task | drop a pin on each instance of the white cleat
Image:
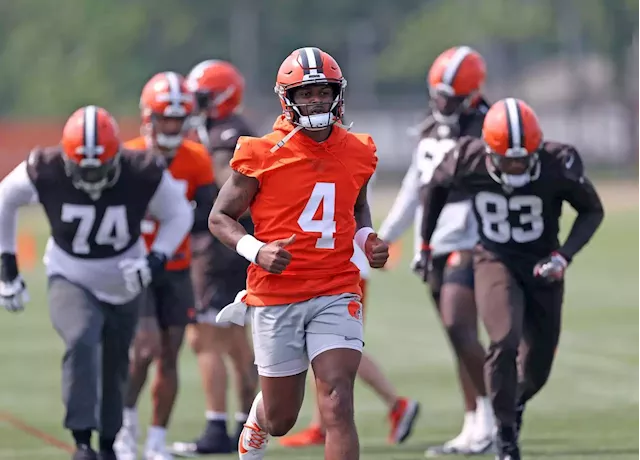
(483, 435)
(156, 453)
(126, 444)
(460, 445)
(253, 441)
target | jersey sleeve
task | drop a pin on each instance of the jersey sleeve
(580, 193)
(16, 190)
(404, 207)
(245, 160)
(224, 138)
(173, 212)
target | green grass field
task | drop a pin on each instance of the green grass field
(589, 408)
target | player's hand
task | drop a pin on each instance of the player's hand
(551, 268)
(376, 250)
(138, 273)
(13, 291)
(13, 294)
(273, 257)
(424, 264)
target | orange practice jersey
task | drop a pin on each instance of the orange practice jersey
(308, 189)
(192, 167)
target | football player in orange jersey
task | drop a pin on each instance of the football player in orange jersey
(166, 103)
(403, 412)
(305, 184)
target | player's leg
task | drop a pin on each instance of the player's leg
(245, 372)
(334, 344)
(78, 320)
(281, 357)
(118, 332)
(500, 299)
(145, 348)
(403, 412)
(175, 300)
(458, 299)
(460, 318)
(542, 325)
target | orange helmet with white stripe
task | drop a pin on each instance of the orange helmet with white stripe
(512, 135)
(165, 105)
(91, 147)
(455, 82)
(310, 66)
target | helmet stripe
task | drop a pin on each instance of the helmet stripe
(454, 63)
(90, 131)
(311, 61)
(514, 123)
(174, 88)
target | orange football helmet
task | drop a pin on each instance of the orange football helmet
(310, 66)
(512, 135)
(165, 105)
(218, 86)
(91, 146)
(455, 81)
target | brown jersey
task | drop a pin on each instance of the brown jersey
(95, 229)
(224, 134)
(521, 224)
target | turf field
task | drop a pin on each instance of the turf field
(588, 409)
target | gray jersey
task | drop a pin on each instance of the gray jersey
(100, 275)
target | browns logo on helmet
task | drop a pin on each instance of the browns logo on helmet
(310, 66)
(455, 82)
(165, 105)
(512, 135)
(91, 146)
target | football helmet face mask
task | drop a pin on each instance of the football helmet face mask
(165, 105)
(455, 82)
(91, 146)
(311, 67)
(512, 136)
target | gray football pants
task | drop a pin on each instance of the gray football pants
(97, 336)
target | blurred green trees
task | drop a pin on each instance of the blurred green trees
(56, 55)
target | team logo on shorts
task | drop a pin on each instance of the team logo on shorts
(454, 259)
(355, 309)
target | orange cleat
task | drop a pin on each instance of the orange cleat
(402, 418)
(310, 436)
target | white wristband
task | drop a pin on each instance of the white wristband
(361, 236)
(248, 247)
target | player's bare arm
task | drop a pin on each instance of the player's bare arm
(376, 250)
(361, 210)
(233, 200)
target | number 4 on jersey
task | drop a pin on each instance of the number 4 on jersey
(324, 193)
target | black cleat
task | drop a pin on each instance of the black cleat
(107, 455)
(214, 440)
(84, 452)
(507, 444)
